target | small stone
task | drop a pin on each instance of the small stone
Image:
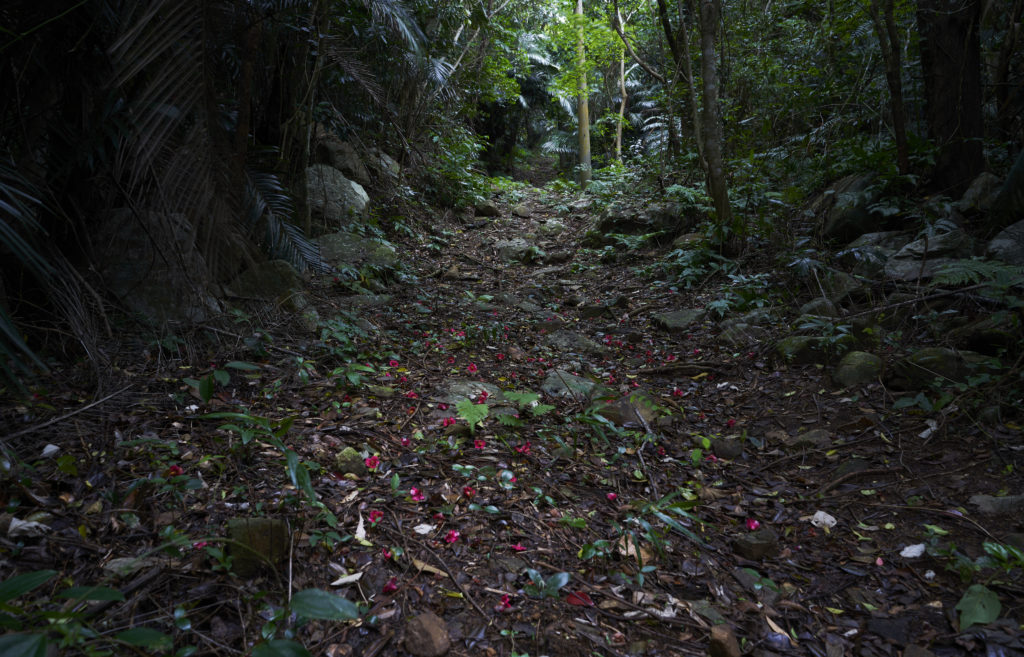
(487, 209)
(349, 461)
(426, 635)
(757, 545)
(727, 448)
(723, 642)
(522, 210)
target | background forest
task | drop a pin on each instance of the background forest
(505, 327)
(184, 130)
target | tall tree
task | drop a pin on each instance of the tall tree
(718, 189)
(884, 19)
(951, 63)
(582, 103)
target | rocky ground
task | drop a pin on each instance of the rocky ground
(531, 448)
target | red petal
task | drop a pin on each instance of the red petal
(580, 599)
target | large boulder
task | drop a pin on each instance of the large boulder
(857, 368)
(867, 255)
(1008, 245)
(332, 196)
(924, 257)
(670, 219)
(342, 156)
(346, 250)
(980, 195)
(150, 262)
(930, 364)
(845, 204)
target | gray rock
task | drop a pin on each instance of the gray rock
(426, 635)
(486, 208)
(258, 543)
(678, 320)
(847, 201)
(385, 163)
(857, 368)
(821, 307)
(889, 240)
(333, 197)
(980, 195)
(522, 210)
(839, 285)
(813, 439)
(922, 258)
(803, 349)
(570, 342)
(349, 461)
(342, 156)
(1011, 505)
(757, 545)
(562, 384)
(346, 249)
(921, 368)
(518, 250)
(454, 391)
(550, 228)
(1008, 245)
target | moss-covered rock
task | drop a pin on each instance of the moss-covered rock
(857, 368)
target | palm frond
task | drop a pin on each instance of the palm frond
(269, 205)
(399, 18)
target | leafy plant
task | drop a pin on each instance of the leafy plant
(474, 414)
(539, 587)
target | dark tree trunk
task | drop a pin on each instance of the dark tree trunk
(882, 15)
(718, 188)
(951, 63)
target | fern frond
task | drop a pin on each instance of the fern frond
(977, 270)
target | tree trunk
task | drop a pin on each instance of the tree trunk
(622, 108)
(888, 41)
(582, 108)
(951, 63)
(698, 137)
(717, 186)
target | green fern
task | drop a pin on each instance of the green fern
(977, 271)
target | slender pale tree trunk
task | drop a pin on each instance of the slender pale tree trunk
(698, 137)
(717, 186)
(622, 107)
(888, 40)
(582, 106)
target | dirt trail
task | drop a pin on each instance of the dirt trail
(551, 474)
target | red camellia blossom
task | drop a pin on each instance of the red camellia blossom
(406, 442)
(175, 471)
(411, 394)
(752, 524)
(416, 494)
(391, 586)
(517, 547)
(472, 368)
(468, 491)
(479, 443)
(524, 448)
(375, 516)
(448, 421)
(393, 363)
(371, 462)
(612, 496)
(452, 536)
(386, 552)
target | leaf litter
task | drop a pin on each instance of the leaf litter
(625, 490)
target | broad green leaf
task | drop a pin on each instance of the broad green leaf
(280, 648)
(556, 581)
(206, 388)
(22, 584)
(221, 377)
(146, 637)
(979, 606)
(92, 593)
(315, 603)
(23, 645)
